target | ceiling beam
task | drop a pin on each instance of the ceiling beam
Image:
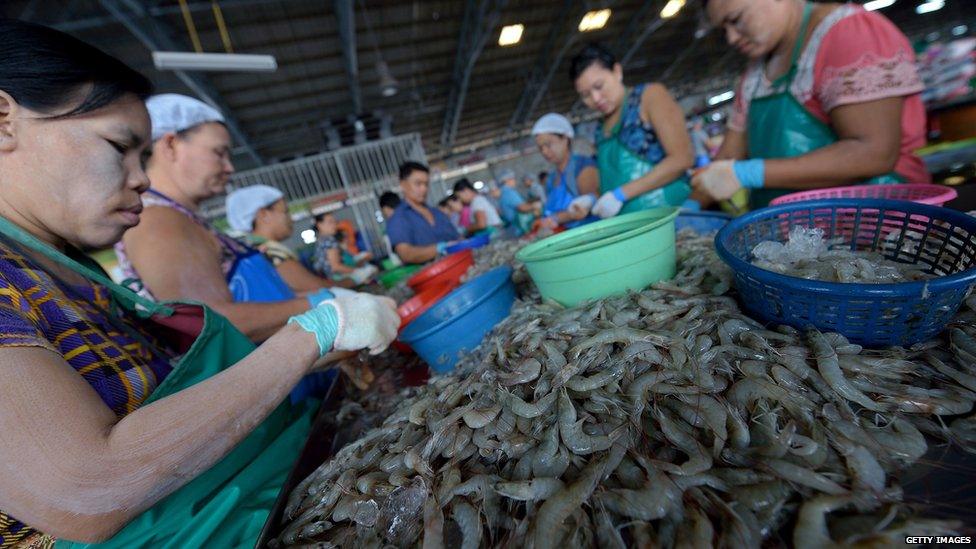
(155, 39)
(154, 11)
(480, 19)
(346, 17)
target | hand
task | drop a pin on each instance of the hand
(443, 246)
(717, 180)
(577, 214)
(363, 274)
(351, 323)
(583, 202)
(609, 204)
(549, 222)
(318, 296)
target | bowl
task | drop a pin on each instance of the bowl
(447, 270)
(393, 277)
(410, 309)
(459, 321)
(627, 252)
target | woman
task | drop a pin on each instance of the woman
(174, 254)
(259, 215)
(110, 403)
(327, 258)
(643, 148)
(831, 98)
(573, 182)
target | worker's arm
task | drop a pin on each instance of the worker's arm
(668, 120)
(479, 222)
(178, 260)
(734, 146)
(334, 255)
(868, 143)
(300, 279)
(84, 474)
(415, 254)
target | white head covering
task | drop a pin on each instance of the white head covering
(554, 123)
(172, 112)
(505, 175)
(243, 205)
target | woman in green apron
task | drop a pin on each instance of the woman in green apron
(643, 147)
(832, 98)
(125, 422)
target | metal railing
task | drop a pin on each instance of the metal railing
(353, 176)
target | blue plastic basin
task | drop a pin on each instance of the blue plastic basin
(470, 243)
(701, 222)
(459, 321)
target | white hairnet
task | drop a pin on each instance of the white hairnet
(172, 112)
(554, 123)
(243, 205)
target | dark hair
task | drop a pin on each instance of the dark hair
(444, 201)
(543, 176)
(46, 70)
(339, 236)
(317, 218)
(462, 185)
(590, 54)
(409, 167)
(389, 200)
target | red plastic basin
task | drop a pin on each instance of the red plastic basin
(417, 305)
(448, 270)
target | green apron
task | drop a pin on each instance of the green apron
(228, 504)
(523, 222)
(619, 165)
(779, 126)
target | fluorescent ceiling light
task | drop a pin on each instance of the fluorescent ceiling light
(511, 35)
(593, 20)
(478, 185)
(308, 236)
(877, 4)
(720, 98)
(960, 30)
(189, 61)
(672, 8)
(929, 7)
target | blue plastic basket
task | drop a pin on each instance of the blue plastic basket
(460, 320)
(470, 243)
(701, 222)
(874, 315)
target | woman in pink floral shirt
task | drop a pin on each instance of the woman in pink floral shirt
(832, 97)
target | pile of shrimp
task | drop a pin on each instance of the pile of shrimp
(665, 417)
(807, 254)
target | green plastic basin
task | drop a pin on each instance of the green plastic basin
(627, 252)
(393, 277)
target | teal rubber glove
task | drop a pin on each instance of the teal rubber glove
(322, 322)
(750, 173)
(319, 296)
(442, 247)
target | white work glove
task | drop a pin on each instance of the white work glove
(609, 204)
(583, 202)
(717, 180)
(351, 323)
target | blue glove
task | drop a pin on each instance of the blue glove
(442, 247)
(318, 296)
(322, 322)
(750, 173)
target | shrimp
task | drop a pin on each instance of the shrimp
(523, 409)
(469, 522)
(433, 525)
(803, 476)
(811, 525)
(528, 370)
(571, 431)
(584, 384)
(530, 490)
(477, 418)
(829, 366)
(563, 503)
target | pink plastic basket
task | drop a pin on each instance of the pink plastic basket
(934, 195)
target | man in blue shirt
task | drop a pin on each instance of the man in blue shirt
(515, 210)
(418, 233)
